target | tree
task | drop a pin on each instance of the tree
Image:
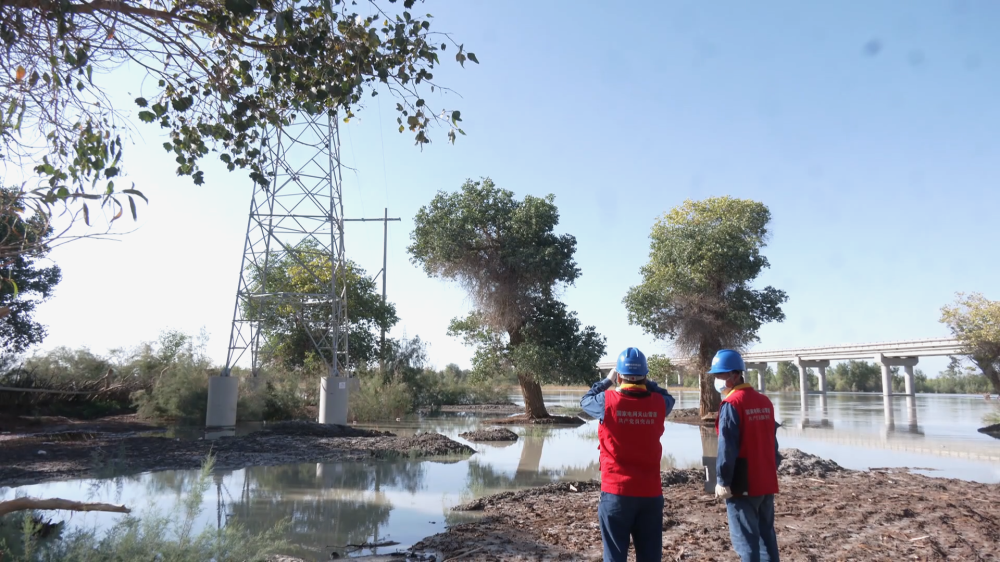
(23, 282)
(975, 321)
(289, 334)
(507, 257)
(696, 288)
(214, 74)
(662, 369)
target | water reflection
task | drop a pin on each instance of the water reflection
(333, 505)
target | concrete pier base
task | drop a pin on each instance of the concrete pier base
(761, 369)
(223, 393)
(333, 394)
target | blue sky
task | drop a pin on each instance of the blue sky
(869, 131)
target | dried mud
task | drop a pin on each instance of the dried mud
(494, 434)
(38, 458)
(824, 512)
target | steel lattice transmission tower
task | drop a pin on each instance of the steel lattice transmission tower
(296, 219)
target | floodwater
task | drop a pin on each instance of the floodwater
(333, 506)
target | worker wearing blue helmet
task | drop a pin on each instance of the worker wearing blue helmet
(747, 465)
(631, 418)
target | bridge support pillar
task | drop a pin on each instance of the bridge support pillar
(761, 369)
(804, 379)
(908, 363)
(909, 380)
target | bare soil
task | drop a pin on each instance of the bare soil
(40, 457)
(690, 416)
(494, 434)
(484, 408)
(523, 419)
(824, 512)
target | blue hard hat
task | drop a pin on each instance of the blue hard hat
(725, 361)
(632, 363)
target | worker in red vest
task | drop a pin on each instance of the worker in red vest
(747, 465)
(631, 420)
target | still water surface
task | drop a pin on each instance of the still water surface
(332, 505)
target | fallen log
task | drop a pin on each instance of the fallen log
(23, 504)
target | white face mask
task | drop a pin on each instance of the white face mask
(720, 386)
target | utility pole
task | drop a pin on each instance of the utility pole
(385, 252)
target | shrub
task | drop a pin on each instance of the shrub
(374, 401)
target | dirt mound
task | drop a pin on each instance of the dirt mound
(850, 515)
(797, 463)
(507, 498)
(689, 416)
(494, 434)
(991, 430)
(420, 445)
(676, 476)
(305, 428)
(668, 478)
(525, 420)
(483, 408)
(680, 413)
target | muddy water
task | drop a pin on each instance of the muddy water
(335, 505)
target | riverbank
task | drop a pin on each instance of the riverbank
(823, 512)
(59, 455)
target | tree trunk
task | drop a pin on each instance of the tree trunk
(988, 369)
(534, 405)
(709, 402)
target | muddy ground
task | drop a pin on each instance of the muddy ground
(40, 457)
(823, 513)
(491, 434)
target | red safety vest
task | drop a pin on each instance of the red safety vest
(630, 444)
(756, 438)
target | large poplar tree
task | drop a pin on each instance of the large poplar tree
(507, 257)
(697, 289)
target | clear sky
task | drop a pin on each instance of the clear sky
(869, 129)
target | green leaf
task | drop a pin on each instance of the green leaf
(141, 102)
(472, 57)
(86, 214)
(135, 192)
(111, 172)
(147, 116)
(456, 116)
(131, 204)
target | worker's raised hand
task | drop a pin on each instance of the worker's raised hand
(723, 492)
(613, 377)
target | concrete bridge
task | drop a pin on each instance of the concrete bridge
(890, 354)
(903, 354)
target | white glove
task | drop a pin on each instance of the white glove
(723, 492)
(613, 377)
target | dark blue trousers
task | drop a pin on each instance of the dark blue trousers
(625, 516)
(751, 527)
